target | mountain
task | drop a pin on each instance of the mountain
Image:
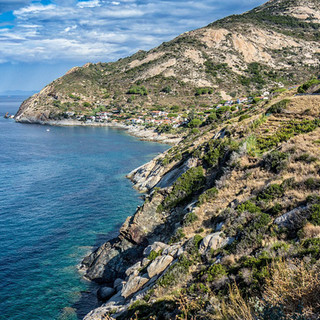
(274, 44)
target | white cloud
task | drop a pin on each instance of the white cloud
(33, 9)
(102, 30)
(70, 28)
(89, 4)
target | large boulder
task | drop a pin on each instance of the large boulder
(159, 265)
(104, 293)
(213, 242)
(293, 219)
(133, 285)
(156, 246)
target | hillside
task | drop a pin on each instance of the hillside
(230, 226)
(273, 45)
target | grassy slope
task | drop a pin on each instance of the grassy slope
(250, 186)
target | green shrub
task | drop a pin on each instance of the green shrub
(213, 272)
(153, 254)
(278, 107)
(197, 239)
(195, 131)
(141, 90)
(185, 186)
(305, 157)
(315, 214)
(249, 207)
(276, 209)
(285, 133)
(270, 193)
(243, 117)
(190, 218)
(275, 161)
(312, 184)
(208, 195)
(175, 272)
(194, 123)
(177, 237)
(306, 86)
(166, 89)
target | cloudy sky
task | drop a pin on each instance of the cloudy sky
(40, 40)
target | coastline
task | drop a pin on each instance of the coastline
(139, 132)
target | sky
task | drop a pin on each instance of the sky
(41, 40)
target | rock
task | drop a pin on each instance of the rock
(156, 246)
(133, 285)
(169, 178)
(118, 284)
(134, 269)
(292, 219)
(104, 293)
(172, 250)
(159, 265)
(213, 241)
(219, 226)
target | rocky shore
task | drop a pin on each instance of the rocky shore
(131, 264)
(135, 130)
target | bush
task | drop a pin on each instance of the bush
(190, 218)
(315, 214)
(153, 254)
(185, 186)
(213, 272)
(272, 192)
(285, 133)
(243, 117)
(166, 89)
(208, 195)
(141, 90)
(248, 206)
(275, 161)
(305, 157)
(278, 107)
(304, 88)
(194, 123)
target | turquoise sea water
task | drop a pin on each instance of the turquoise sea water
(61, 192)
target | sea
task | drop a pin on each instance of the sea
(63, 192)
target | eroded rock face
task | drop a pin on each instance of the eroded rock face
(159, 265)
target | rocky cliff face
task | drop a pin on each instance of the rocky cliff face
(277, 43)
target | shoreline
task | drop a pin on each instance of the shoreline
(139, 132)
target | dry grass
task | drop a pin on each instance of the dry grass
(310, 231)
(293, 286)
(235, 308)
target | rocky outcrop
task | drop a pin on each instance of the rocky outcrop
(148, 175)
(213, 242)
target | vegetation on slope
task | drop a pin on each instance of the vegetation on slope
(265, 202)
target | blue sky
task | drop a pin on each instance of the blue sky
(40, 40)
